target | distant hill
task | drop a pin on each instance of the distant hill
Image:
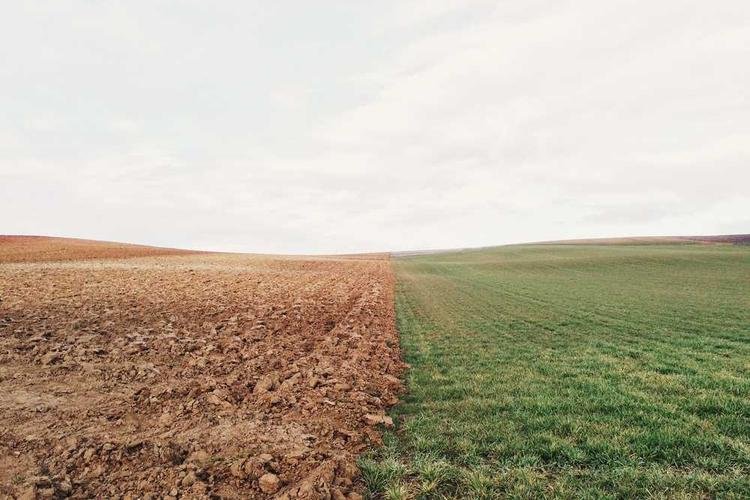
(731, 239)
(726, 239)
(14, 248)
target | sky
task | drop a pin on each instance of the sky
(352, 126)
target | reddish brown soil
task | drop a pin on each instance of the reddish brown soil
(193, 375)
(44, 248)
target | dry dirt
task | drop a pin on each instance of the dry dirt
(43, 248)
(192, 376)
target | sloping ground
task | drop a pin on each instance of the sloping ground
(727, 239)
(735, 239)
(193, 375)
(44, 248)
(732, 239)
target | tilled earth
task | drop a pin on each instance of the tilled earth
(190, 376)
(43, 248)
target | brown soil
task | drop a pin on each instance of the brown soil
(193, 375)
(45, 248)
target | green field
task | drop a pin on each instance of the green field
(573, 372)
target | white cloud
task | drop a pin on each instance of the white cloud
(349, 128)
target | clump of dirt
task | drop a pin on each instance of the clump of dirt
(192, 376)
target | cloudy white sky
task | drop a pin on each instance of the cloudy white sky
(305, 127)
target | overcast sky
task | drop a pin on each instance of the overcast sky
(309, 127)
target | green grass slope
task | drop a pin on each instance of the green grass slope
(572, 372)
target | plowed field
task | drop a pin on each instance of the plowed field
(42, 248)
(192, 375)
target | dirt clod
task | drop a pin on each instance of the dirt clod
(269, 483)
(378, 419)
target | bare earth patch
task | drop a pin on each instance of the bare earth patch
(45, 248)
(194, 375)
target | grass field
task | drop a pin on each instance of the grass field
(574, 372)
